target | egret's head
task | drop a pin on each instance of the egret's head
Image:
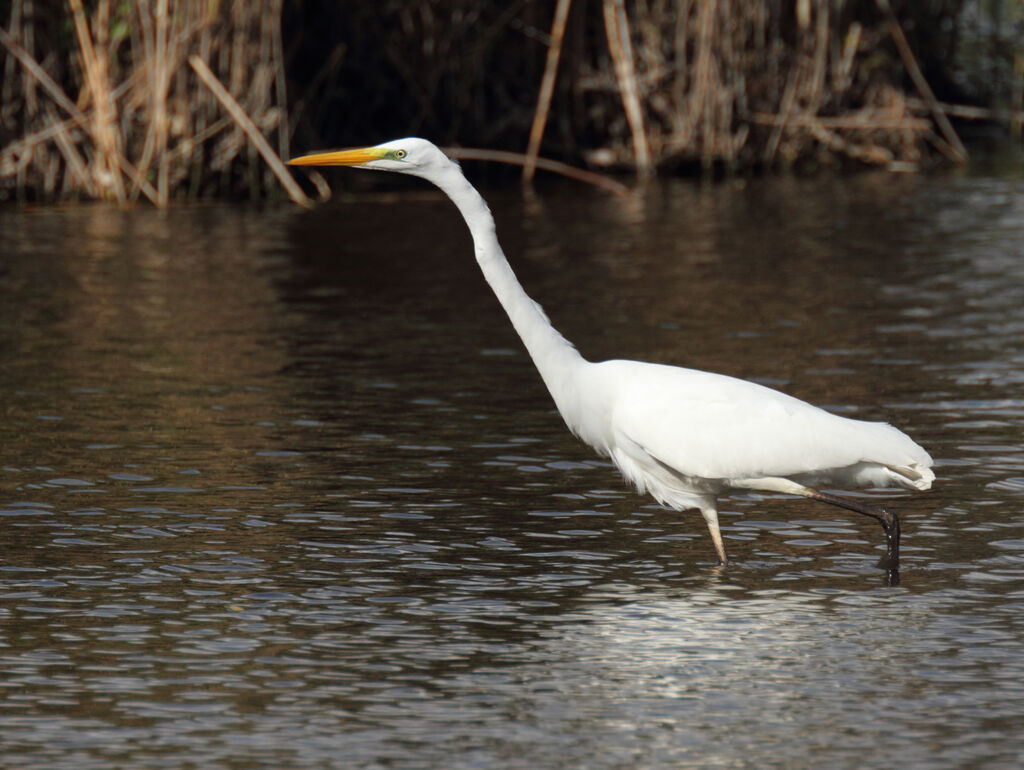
(406, 156)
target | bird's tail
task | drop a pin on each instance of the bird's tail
(912, 476)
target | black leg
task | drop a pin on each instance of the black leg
(890, 523)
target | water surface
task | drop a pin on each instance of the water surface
(281, 489)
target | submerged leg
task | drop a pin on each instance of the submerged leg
(890, 521)
(710, 514)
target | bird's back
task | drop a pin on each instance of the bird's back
(711, 426)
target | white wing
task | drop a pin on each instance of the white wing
(716, 427)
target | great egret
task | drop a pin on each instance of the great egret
(683, 435)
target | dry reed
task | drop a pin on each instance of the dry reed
(746, 82)
(639, 85)
(142, 122)
(626, 85)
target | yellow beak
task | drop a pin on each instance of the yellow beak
(339, 157)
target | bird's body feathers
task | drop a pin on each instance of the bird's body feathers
(686, 435)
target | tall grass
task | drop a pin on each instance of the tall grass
(189, 99)
(643, 84)
(99, 100)
(757, 82)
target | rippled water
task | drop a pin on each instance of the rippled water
(281, 489)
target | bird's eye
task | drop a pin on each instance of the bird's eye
(400, 154)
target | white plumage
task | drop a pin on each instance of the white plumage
(682, 435)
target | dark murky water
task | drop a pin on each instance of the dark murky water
(280, 489)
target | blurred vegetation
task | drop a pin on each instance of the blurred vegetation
(98, 99)
(118, 99)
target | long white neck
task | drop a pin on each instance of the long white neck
(555, 357)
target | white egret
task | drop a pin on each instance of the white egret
(683, 435)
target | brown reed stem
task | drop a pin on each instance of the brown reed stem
(554, 166)
(244, 122)
(547, 87)
(959, 153)
(74, 161)
(969, 112)
(280, 81)
(785, 108)
(616, 26)
(161, 80)
(37, 72)
(853, 123)
(102, 128)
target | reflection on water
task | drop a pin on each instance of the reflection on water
(280, 489)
